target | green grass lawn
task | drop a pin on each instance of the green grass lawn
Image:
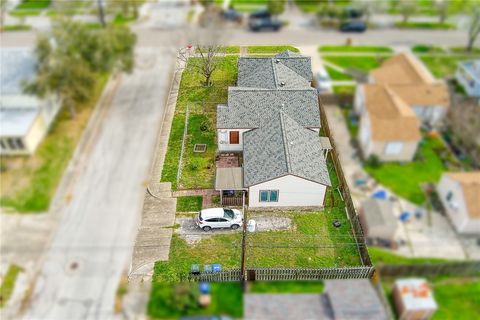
(373, 49)
(287, 287)
(344, 89)
(442, 66)
(457, 298)
(271, 49)
(382, 256)
(197, 168)
(33, 4)
(475, 50)
(227, 299)
(421, 48)
(24, 13)
(189, 203)
(352, 128)
(361, 63)
(17, 27)
(8, 283)
(425, 25)
(337, 75)
(28, 187)
(405, 179)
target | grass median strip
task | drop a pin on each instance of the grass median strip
(8, 283)
(366, 49)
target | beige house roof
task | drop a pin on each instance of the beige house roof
(402, 69)
(470, 182)
(435, 94)
(391, 118)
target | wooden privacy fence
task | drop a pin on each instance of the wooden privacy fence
(286, 274)
(340, 99)
(232, 275)
(465, 269)
(345, 192)
(232, 201)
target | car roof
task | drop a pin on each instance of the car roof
(212, 212)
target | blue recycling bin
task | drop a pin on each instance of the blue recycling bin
(204, 287)
(217, 267)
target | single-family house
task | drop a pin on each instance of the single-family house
(460, 195)
(379, 223)
(468, 76)
(400, 96)
(24, 118)
(413, 299)
(273, 118)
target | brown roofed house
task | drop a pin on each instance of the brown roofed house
(401, 95)
(460, 195)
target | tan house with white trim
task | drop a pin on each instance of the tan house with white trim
(460, 195)
(401, 95)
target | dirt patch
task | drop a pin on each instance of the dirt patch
(271, 222)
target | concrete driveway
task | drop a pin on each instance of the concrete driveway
(93, 244)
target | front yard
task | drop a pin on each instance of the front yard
(361, 63)
(405, 179)
(198, 169)
(443, 66)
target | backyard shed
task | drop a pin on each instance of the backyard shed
(379, 222)
(413, 299)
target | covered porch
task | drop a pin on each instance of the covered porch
(229, 181)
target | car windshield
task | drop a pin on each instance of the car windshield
(228, 213)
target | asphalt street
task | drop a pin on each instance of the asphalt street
(93, 244)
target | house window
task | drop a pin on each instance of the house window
(268, 195)
(449, 196)
(234, 137)
(393, 148)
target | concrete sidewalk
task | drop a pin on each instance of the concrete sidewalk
(153, 238)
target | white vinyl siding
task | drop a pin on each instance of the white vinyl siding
(393, 148)
(293, 191)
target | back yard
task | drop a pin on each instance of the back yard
(405, 179)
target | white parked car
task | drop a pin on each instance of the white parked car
(324, 83)
(213, 218)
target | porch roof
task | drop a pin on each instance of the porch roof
(229, 179)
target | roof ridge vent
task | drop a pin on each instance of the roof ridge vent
(277, 60)
(282, 84)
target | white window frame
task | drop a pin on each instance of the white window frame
(393, 147)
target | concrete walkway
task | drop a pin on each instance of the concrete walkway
(154, 235)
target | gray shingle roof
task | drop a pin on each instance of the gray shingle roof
(250, 107)
(354, 299)
(285, 70)
(16, 65)
(280, 148)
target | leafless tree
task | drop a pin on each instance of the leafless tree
(407, 8)
(205, 50)
(463, 120)
(442, 7)
(474, 28)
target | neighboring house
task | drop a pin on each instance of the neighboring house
(413, 299)
(378, 222)
(273, 117)
(460, 195)
(401, 95)
(468, 75)
(354, 300)
(24, 119)
(341, 300)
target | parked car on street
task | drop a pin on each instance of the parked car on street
(215, 218)
(264, 24)
(231, 15)
(353, 26)
(263, 20)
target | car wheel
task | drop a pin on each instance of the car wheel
(207, 228)
(234, 226)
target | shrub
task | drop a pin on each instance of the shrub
(373, 161)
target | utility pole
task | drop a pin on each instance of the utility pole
(101, 13)
(243, 276)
